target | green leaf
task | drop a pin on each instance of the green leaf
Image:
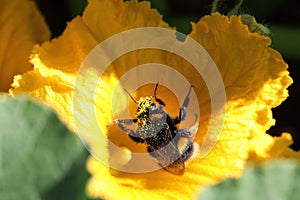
(72, 187)
(37, 150)
(278, 179)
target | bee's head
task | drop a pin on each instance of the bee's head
(144, 104)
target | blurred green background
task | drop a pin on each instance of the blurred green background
(282, 17)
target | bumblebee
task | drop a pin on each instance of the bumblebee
(169, 145)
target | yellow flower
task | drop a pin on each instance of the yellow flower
(22, 26)
(272, 148)
(255, 78)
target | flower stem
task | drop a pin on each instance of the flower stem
(236, 8)
(214, 6)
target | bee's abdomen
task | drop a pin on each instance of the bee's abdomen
(188, 150)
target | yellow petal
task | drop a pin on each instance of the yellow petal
(268, 147)
(255, 79)
(22, 26)
(255, 76)
(106, 18)
(62, 57)
(249, 63)
(248, 114)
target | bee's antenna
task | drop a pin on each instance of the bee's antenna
(135, 101)
(155, 89)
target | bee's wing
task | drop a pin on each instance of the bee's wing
(169, 158)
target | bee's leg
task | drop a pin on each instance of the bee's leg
(193, 130)
(190, 133)
(182, 110)
(150, 149)
(137, 139)
(121, 122)
(160, 101)
(184, 133)
(128, 126)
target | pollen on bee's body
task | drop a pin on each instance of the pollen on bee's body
(144, 103)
